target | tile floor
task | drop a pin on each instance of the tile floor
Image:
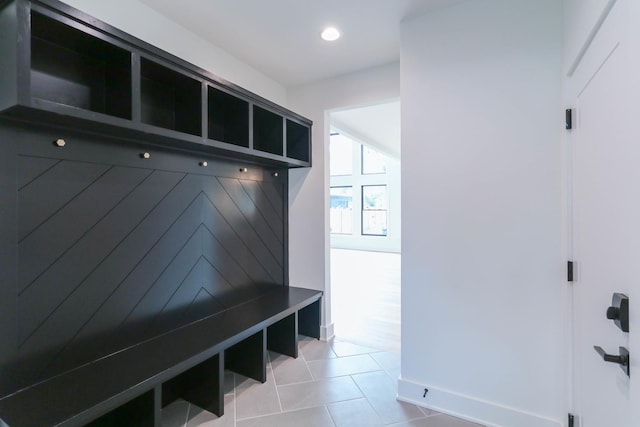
(330, 384)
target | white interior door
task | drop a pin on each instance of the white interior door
(606, 222)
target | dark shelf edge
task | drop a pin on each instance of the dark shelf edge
(76, 119)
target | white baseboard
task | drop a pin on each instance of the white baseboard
(327, 332)
(490, 414)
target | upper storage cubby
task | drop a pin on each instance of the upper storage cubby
(169, 99)
(298, 141)
(228, 117)
(72, 68)
(62, 67)
(268, 132)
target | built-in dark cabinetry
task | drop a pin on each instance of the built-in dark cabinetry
(267, 131)
(66, 68)
(228, 117)
(169, 99)
(144, 226)
(298, 137)
(72, 68)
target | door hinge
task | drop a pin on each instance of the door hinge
(569, 271)
(571, 420)
(568, 119)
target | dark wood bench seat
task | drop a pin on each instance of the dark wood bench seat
(131, 386)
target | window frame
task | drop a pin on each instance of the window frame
(363, 210)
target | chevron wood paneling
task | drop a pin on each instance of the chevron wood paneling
(111, 253)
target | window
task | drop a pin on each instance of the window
(372, 162)
(374, 210)
(361, 188)
(341, 210)
(341, 155)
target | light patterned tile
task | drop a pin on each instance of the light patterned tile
(440, 420)
(254, 398)
(316, 393)
(428, 412)
(381, 391)
(342, 349)
(288, 370)
(200, 418)
(175, 414)
(390, 362)
(316, 349)
(354, 413)
(341, 366)
(310, 417)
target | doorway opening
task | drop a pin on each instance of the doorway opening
(365, 225)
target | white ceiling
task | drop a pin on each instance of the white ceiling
(281, 38)
(377, 126)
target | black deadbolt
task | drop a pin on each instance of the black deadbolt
(619, 311)
(613, 313)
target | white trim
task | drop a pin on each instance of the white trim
(470, 408)
(327, 332)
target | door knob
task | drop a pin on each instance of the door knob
(619, 311)
(621, 359)
(613, 313)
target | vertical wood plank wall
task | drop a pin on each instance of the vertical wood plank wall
(102, 248)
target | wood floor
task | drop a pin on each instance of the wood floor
(365, 298)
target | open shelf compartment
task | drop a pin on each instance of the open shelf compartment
(268, 131)
(169, 99)
(72, 68)
(298, 141)
(228, 118)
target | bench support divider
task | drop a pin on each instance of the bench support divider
(249, 357)
(282, 336)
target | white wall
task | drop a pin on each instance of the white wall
(309, 188)
(483, 291)
(139, 20)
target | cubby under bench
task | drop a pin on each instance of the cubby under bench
(130, 387)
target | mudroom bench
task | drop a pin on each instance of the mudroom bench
(130, 387)
(145, 242)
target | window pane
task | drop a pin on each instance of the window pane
(374, 197)
(374, 223)
(372, 161)
(340, 155)
(374, 210)
(341, 210)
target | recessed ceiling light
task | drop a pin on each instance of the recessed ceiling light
(330, 34)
